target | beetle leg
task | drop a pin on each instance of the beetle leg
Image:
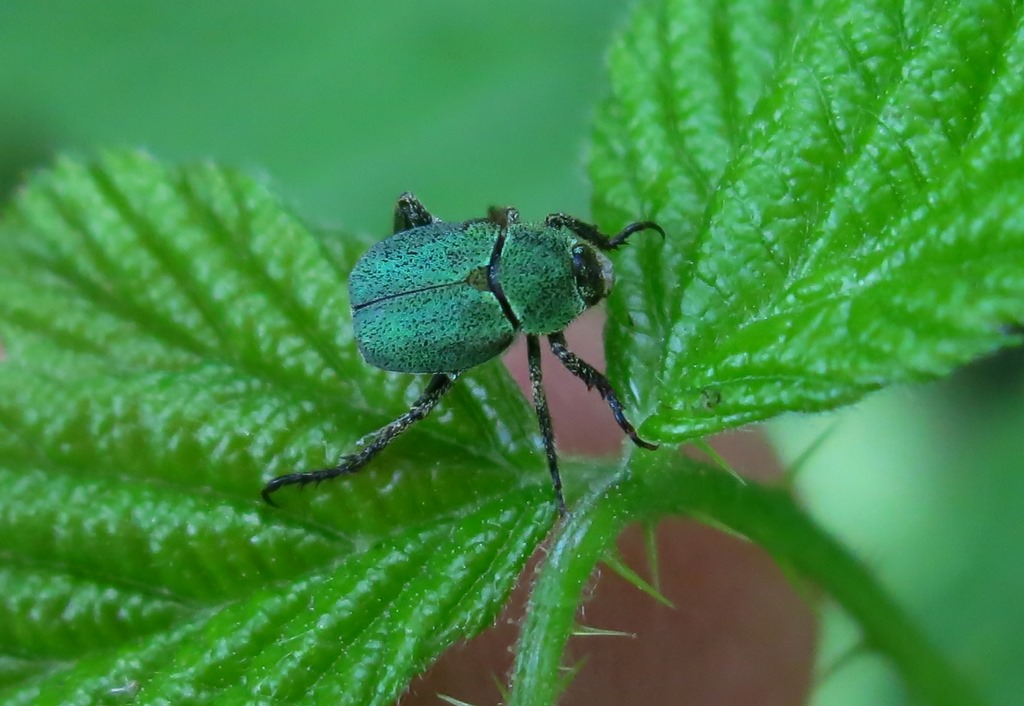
(502, 215)
(436, 388)
(592, 235)
(411, 213)
(592, 378)
(540, 403)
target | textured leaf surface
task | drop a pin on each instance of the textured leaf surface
(843, 191)
(172, 339)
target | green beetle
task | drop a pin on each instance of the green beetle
(442, 297)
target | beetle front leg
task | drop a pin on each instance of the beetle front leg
(540, 403)
(592, 235)
(411, 213)
(592, 378)
(436, 388)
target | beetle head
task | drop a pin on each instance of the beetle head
(593, 273)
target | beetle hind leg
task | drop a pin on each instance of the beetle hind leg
(592, 378)
(435, 390)
(411, 213)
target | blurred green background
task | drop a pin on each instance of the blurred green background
(345, 105)
(925, 484)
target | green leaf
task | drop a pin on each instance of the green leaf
(842, 192)
(172, 339)
(841, 186)
(354, 631)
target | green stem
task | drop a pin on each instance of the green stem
(663, 484)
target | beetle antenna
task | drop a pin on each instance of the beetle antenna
(634, 228)
(592, 235)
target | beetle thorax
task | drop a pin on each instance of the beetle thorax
(549, 276)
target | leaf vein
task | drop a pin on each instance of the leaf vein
(150, 239)
(153, 322)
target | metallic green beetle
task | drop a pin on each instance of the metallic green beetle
(442, 297)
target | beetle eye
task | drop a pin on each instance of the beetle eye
(592, 272)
